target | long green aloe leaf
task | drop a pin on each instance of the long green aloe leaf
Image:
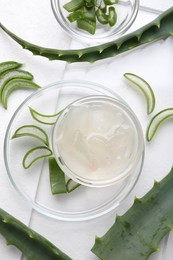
(159, 28)
(31, 244)
(136, 234)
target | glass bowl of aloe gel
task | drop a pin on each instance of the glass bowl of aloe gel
(95, 21)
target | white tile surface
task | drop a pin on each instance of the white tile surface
(34, 21)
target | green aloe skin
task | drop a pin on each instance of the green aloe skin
(161, 27)
(136, 234)
(30, 243)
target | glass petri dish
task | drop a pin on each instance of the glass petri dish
(126, 10)
(33, 184)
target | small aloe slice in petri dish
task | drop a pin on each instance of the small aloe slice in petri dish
(35, 154)
(156, 121)
(44, 119)
(141, 84)
(33, 131)
(16, 84)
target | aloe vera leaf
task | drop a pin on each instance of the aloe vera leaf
(111, 2)
(159, 28)
(112, 16)
(33, 131)
(29, 242)
(35, 154)
(87, 25)
(145, 88)
(16, 84)
(9, 65)
(13, 74)
(57, 177)
(101, 16)
(136, 234)
(156, 121)
(71, 185)
(73, 5)
(44, 119)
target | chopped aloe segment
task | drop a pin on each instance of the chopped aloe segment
(156, 121)
(72, 17)
(73, 5)
(16, 84)
(112, 16)
(71, 185)
(35, 154)
(9, 65)
(145, 88)
(82, 13)
(111, 2)
(44, 119)
(87, 25)
(89, 3)
(57, 177)
(33, 131)
(101, 16)
(13, 74)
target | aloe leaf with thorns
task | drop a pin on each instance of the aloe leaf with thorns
(159, 28)
(30, 243)
(136, 234)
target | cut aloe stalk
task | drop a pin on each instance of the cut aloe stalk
(57, 177)
(141, 84)
(33, 131)
(44, 119)
(9, 65)
(16, 84)
(156, 121)
(13, 74)
(73, 5)
(71, 185)
(87, 25)
(35, 154)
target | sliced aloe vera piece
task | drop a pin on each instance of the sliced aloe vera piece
(16, 84)
(35, 154)
(57, 177)
(145, 88)
(13, 74)
(156, 121)
(73, 5)
(44, 119)
(71, 185)
(33, 131)
(9, 65)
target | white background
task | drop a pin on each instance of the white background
(34, 21)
